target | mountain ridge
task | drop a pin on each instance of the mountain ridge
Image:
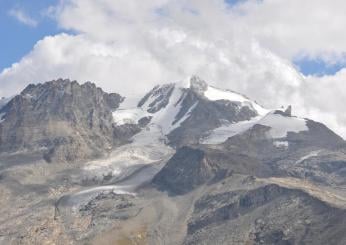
(56, 116)
(187, 164)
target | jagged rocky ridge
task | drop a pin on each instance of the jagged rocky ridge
(188, 164)
(64, 120)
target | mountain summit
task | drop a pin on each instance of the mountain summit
(185, 111)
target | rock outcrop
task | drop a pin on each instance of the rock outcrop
(63, 119)
(186, 170)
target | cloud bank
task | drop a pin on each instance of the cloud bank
(128, 46)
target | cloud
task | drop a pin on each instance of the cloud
(22, 17)
(312, 28)
(128, 46)
(324, 97)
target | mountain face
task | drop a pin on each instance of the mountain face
(185, 111)
(187, 163)
(64, 120)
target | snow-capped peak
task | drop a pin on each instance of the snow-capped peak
(213, 94)
(168, 106)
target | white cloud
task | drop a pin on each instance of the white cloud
(313, 28)
(22, 17)
(127, 46)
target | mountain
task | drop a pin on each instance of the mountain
(186, 110)
(187, 163)
(64, 120)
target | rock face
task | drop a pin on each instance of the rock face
(64, 120)
(192, 167)
(186, 170)
(268, 214)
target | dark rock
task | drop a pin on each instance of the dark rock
(288, 111)
(162, 95)
(144, 121)
(123, 133)
(186, 170)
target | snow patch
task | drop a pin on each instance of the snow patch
(128, 116)
(217, 94)
(214, 94)
(310, 155)
(221, 134)
(147, 147)
(281, 144)
(281, 125)
(120, 190)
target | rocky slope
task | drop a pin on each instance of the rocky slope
(186, 164)
(64, 120)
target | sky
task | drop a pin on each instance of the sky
(277, 52)
(22, 24)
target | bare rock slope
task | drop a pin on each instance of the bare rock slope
(63, 119)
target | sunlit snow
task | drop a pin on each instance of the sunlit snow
(281, 125)
(221, 134)
(217, 94)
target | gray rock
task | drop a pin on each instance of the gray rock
(162, 95)
(267, 214)
(186, 170)
(64, 120)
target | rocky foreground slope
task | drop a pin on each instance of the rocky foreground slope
(186, 164)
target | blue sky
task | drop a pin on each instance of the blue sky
(232, 2)
(17, 38)
(317, 67)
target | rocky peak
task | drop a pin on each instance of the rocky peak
(288, 110)
(65, 120)
(62, 89)
(284, 112)
(198, 85)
